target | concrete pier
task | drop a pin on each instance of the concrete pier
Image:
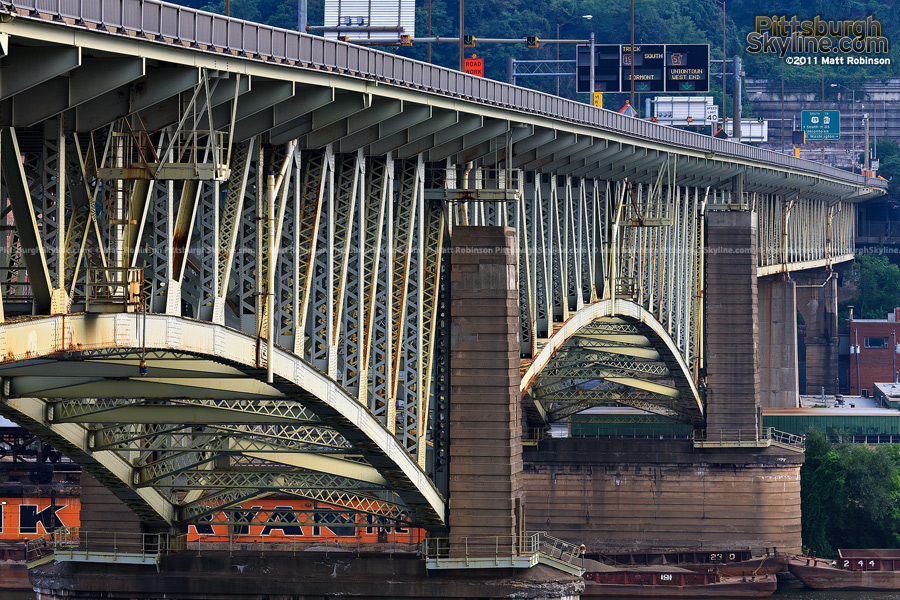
(817, 303)
(651, 494)
(732, 325)
(485, 408)
(778, 371)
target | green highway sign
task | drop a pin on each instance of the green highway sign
(657, 68)
(811, 124)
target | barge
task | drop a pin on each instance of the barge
(855, 570)
(674, 582)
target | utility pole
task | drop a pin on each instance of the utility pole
(736, 96)
(429, 30)
(866, 120)
(632, 56)
(782, 106)
(823, 116)
(462, 33)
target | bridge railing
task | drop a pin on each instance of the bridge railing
(114, 287)
(96, 546)
(559, 549)
(749, 437)
(489, 546)
(503, 551)
(178, 25)
(783, 438)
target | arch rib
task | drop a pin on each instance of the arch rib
(663, 343)
(71, 335)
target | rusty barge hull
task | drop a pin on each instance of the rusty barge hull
(726, 589)
(830, 578)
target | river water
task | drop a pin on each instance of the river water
(794, 594)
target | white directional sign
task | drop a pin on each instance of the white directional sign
(683, 110)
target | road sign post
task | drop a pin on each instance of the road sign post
(593, 88)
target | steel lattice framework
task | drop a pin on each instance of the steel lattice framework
(223, 271)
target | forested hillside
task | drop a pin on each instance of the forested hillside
(656, 21)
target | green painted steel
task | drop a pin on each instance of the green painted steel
(632, 425)
(889, 424)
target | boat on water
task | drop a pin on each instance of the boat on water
(856, 570)
(674, 582)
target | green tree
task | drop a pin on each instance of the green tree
(821, 485)
(850, 495)
(877, 287)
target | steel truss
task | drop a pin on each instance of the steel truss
(169, 406)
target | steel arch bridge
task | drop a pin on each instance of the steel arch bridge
(224, 271)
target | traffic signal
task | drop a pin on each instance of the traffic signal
(343, 38)
(759, 120)
(469, 40)
(532, 41)
(405, 40)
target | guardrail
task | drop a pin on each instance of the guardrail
(114, 287)
(520, 551)
(559, 549)
(493, 546)
(73, 544)
(177, 25)
(749, 437)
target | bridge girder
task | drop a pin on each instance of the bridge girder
(358, 434)
(360, 285)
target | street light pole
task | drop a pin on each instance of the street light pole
(724, 68)
(853, 133)
(866, 120)
(558, 26)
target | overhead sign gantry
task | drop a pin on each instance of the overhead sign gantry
(665, 68)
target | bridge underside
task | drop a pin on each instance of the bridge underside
(136, 162)
(176, 418)
(603, 357)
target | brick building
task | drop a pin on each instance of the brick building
(873, 352)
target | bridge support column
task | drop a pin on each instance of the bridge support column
(732, 325)
(817, 303)
(486, 495)
(778, 344)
